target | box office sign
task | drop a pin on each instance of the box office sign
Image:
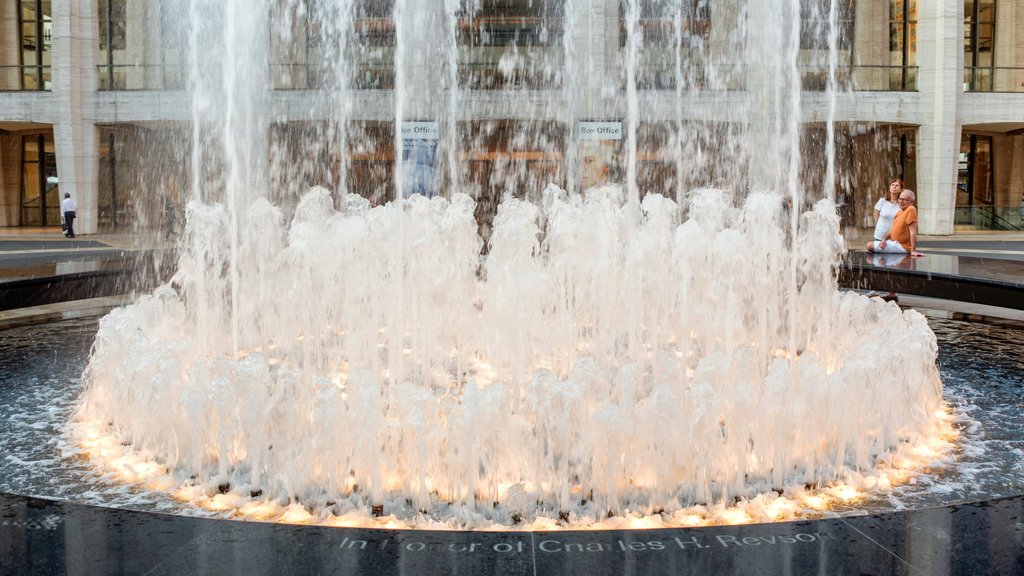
(419, 158)
(600, 131)
(598, 150)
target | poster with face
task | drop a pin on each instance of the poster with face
(419, 159)
(598, 150)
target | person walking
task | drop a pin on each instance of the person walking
(68, 207)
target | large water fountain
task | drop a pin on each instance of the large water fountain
(593, 348)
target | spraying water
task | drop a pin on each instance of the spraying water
(611, 351)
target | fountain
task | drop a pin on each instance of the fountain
(590, 349)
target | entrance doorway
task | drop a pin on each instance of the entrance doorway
(974, 182)
(40, 188)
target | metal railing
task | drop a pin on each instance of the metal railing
(28, 77)
(982, 79)
(318, 76)
(812, 78)
(484, 76)
(142, 76)
(986, 217)
(862, 78)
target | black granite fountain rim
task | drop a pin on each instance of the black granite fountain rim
(46, 535)
(861, 261)
(858, 272)
(42, 290)
(48, 500)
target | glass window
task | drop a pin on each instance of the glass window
(672, 42)
(510, 44)
(815, 24)
(979, 44)
(36, 44)
(902, 41)
(40, 189)
(113, 16)
(974, 181)
(310, 42)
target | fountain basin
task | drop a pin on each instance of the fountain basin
(983, 384)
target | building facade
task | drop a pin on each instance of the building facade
(93, 99)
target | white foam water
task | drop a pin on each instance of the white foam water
(602, 356)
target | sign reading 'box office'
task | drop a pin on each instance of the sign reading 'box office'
(599, 146)
(419, 158)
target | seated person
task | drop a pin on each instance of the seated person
(902, 237)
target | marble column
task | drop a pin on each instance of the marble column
(940, 58)
(423, 63)
(10, 179)
(871, 46)
(596, 43)
(10, 77)
(1009, 45)
(770, 86)
(1015, 179)
(74, 86)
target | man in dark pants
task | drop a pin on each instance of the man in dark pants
(68, 207)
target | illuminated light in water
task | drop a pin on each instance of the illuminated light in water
(222, 502)
(780, 508)
(844, 492)
(692, 520)
(296, 514)
(346, 521)
(733, 516)
(192, 493)
(260, 510)
(816, 501)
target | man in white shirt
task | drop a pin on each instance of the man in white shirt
(68, 207)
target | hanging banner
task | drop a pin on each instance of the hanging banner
(419, 158)
(599, 146)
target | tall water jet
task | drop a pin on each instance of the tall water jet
(591, 351)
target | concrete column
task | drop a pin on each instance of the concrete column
(592, 90)
(10, 51)
(10, 179)
(425, 63)
(766, 82)
(75, 136)
(1009, 48)
(1015, 179)
(940, 56)
(722, 49)
(143, 37)
(596, 42)
(871, 45)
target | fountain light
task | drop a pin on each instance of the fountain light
(260, 510)
(844, 492)
(223, 502)
(815, 501)
(691, 520)
(295, 513)
(780, 508)
(733, 516)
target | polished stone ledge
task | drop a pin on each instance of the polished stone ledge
(985, 281)
(39, 536)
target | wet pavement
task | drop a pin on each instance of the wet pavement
(40, 271)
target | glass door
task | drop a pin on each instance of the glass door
(40, 187)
